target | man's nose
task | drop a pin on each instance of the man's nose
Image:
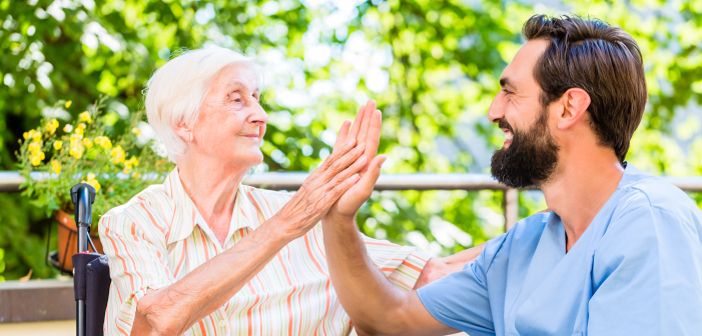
(496, 110)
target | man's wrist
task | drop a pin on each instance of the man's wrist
(338, 219)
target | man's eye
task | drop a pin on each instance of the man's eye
(506, 91)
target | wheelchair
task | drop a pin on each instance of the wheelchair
(91, 273)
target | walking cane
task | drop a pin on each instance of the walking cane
(83, 196)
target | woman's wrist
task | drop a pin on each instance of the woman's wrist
(286, 228)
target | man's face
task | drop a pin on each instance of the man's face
(529, 154)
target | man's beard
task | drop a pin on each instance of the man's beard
(530, 159)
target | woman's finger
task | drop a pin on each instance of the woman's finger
(342, 135)
(336, 193)
(354, 168)
(346, 147)
(337, 166)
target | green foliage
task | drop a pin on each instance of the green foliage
(82, 152)
(432, 66)
(2, 264)
(23, 238)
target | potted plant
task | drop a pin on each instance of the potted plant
(55, 156)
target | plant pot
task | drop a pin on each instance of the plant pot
(68, 241)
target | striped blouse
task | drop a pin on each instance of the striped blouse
(158, 237)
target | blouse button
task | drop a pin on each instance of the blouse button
(222, 323)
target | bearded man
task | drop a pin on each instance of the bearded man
(620, 253)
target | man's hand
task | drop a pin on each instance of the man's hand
(366, 130)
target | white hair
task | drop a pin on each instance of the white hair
(175, 92)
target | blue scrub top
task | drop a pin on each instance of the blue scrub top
(636, 270)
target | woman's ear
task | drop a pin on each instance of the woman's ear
(184, 131)
(575, 103)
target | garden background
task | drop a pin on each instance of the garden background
(432, 66)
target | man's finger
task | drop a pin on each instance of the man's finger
(374, 130)
(358, 122)
(369, 179)
(363, 132)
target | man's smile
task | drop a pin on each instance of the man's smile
(508, 136)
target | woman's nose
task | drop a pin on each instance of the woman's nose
(258, 115)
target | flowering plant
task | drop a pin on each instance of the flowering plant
(53, 158)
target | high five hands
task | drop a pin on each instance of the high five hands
(366, 130)
(343, 181)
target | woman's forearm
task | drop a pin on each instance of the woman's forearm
(174, 309)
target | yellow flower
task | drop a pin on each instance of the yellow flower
(68, 103)
(37, 135)
(118, 154)
(104, 142)
(87, 143)
(36, 158)
(68, 128)
(136, 174)
(52, 125)
(30, 135)
(136, 131)
(56, 167)
(92, 181)
(129, 164)
(85, 116)
(34, 147)
(76, 152)
(76, 146)
(79, 130)
(132, 162)
(58, 144)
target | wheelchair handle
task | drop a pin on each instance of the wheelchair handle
(83, 196)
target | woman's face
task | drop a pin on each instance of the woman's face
(231, 122)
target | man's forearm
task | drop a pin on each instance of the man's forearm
(365, 293)
(172, 310)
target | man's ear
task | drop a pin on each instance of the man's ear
(183, 131)
(575, 103)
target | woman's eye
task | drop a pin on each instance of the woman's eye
(235, 98)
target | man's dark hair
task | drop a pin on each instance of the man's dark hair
(604, 61)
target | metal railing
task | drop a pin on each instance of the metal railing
(10, 181)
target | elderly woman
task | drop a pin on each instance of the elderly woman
(203, 254)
